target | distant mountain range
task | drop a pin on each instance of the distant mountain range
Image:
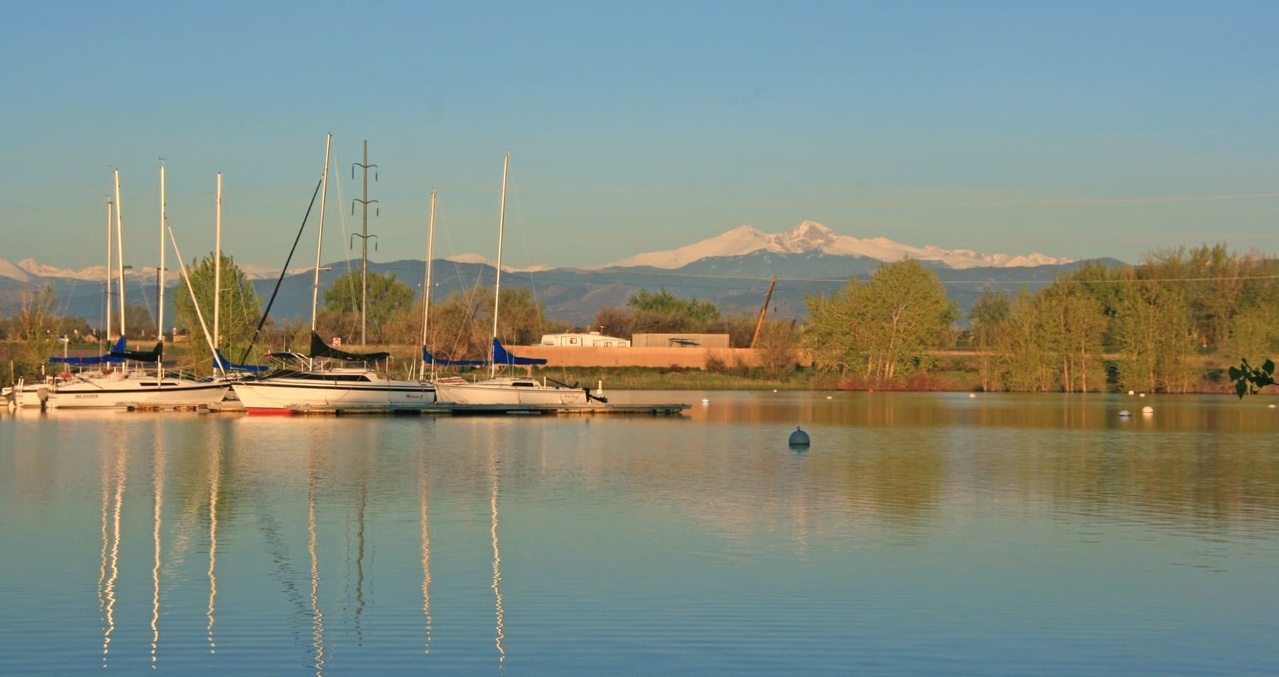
(810, 236)
(732, 270)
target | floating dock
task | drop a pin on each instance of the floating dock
(446, 409)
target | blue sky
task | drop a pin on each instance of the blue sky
(1073, 129)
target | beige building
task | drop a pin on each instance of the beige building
(680, 340)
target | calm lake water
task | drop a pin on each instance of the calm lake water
(919, 534)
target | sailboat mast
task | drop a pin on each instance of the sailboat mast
(217, 364)
(160, 274)
(217, 266)
(324, 187)
(426, 285)
(497, 285)
(110, 260)
(119, 236)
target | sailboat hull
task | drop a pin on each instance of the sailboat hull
(121, 392)
(333, 391)
(508, 391)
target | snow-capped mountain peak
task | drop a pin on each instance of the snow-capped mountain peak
(811, 236)
(13, 272)
(37, 269)
(807, 236)
(480, 260)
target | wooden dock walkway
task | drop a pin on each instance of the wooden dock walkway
(446, 409)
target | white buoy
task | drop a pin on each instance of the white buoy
(705, 401)
(828, 397)
(1147, 410)
(1272, 406)
(1142, 395)
(1132, 392)
(972, 395)
(1125, 414)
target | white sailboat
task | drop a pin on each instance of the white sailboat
(146, 386)
(508, 390)
(329, 378)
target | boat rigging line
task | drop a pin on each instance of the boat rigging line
(283, 272)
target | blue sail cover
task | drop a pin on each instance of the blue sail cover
(428, 358)
(111, 358)
(221, 362)
(321, 349)
(152, 355)
(500, 356)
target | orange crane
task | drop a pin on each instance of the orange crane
(763, 311)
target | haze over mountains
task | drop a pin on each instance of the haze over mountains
(732, 270)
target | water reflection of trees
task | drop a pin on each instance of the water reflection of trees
(1085, 464)
(895, 465)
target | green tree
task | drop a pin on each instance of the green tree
(387, 298)
(1254, 327)
(836, 328)
(139, 322)
(778, 341)
(1252, 331)
(1104, 284)
(989, 313)
(238, 313)
(889, 324)
(664, 312)
(454, 331)
(520, 317)
(740, 329)
(1155, 330)
(1071, 327)
(1217, 279)
(619, 322)
(1250, 379)
(33, 326)
(461, 327)
(1024, 362)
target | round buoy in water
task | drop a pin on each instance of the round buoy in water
(972, 395)
(705, 401)
(799, 438)
(1125, 414)
(1147, 410)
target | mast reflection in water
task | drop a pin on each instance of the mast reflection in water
(919, 533)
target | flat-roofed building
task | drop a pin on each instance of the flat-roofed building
(592, 339)
(680, 340)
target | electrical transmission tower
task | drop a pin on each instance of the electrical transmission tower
(364, 237)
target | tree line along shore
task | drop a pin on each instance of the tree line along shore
(1174, 323)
